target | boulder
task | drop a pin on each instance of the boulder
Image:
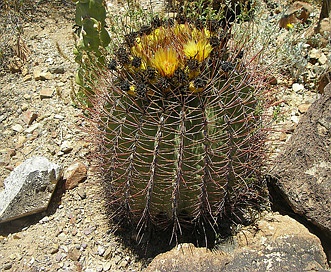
(28, 188)
(187, 258)
(302, 173)
(275, 243)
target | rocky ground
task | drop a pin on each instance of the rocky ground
(37, 117)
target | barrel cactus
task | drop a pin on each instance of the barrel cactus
(178, 122)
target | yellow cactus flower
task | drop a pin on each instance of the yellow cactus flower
(143, 65)
(137, 49)
(156, 36)
(181, 29)
(200, 34)
(165, 61)
(198, 51)
(289, 26)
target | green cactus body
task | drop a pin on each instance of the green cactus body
(177, 156)
(180, 128)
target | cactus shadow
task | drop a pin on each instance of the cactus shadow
(156, 241)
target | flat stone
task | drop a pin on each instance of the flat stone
(29, 188)
(25, 106)
(101, 250)
(82, 193)
(283, 137)
(31, 128)
(29, 116)
(36, 74)
(277, 243)
(27, 96)
(7, 266)
(17, 128)
(54, 248)
(302, 108)
(39, 75)
(58, 116)
(106, 266)
(27, 78)
(75, 174)
(46, 93)
(295, 119)
(186, 257)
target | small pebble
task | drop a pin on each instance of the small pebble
(62, 236)
(322, 59)
(17, 128)
(54, 249)
(7, 266)
(84, 245)
(66, 147)
(59, 256)
(101, 250)
(88, 231)
(24, 106)
(297, 87)
(46, 93)
(74, 254)
(82, 193)
(64, 248)
(106, 266)
(27, 96)
(295, 119)
(58, 116)
(44, 220)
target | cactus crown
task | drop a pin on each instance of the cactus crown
(172, 56)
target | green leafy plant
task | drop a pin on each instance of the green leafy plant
(92, 38)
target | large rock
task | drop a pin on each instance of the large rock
(276, 243)
(187, 258)
(302, 173)
(28, 188)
